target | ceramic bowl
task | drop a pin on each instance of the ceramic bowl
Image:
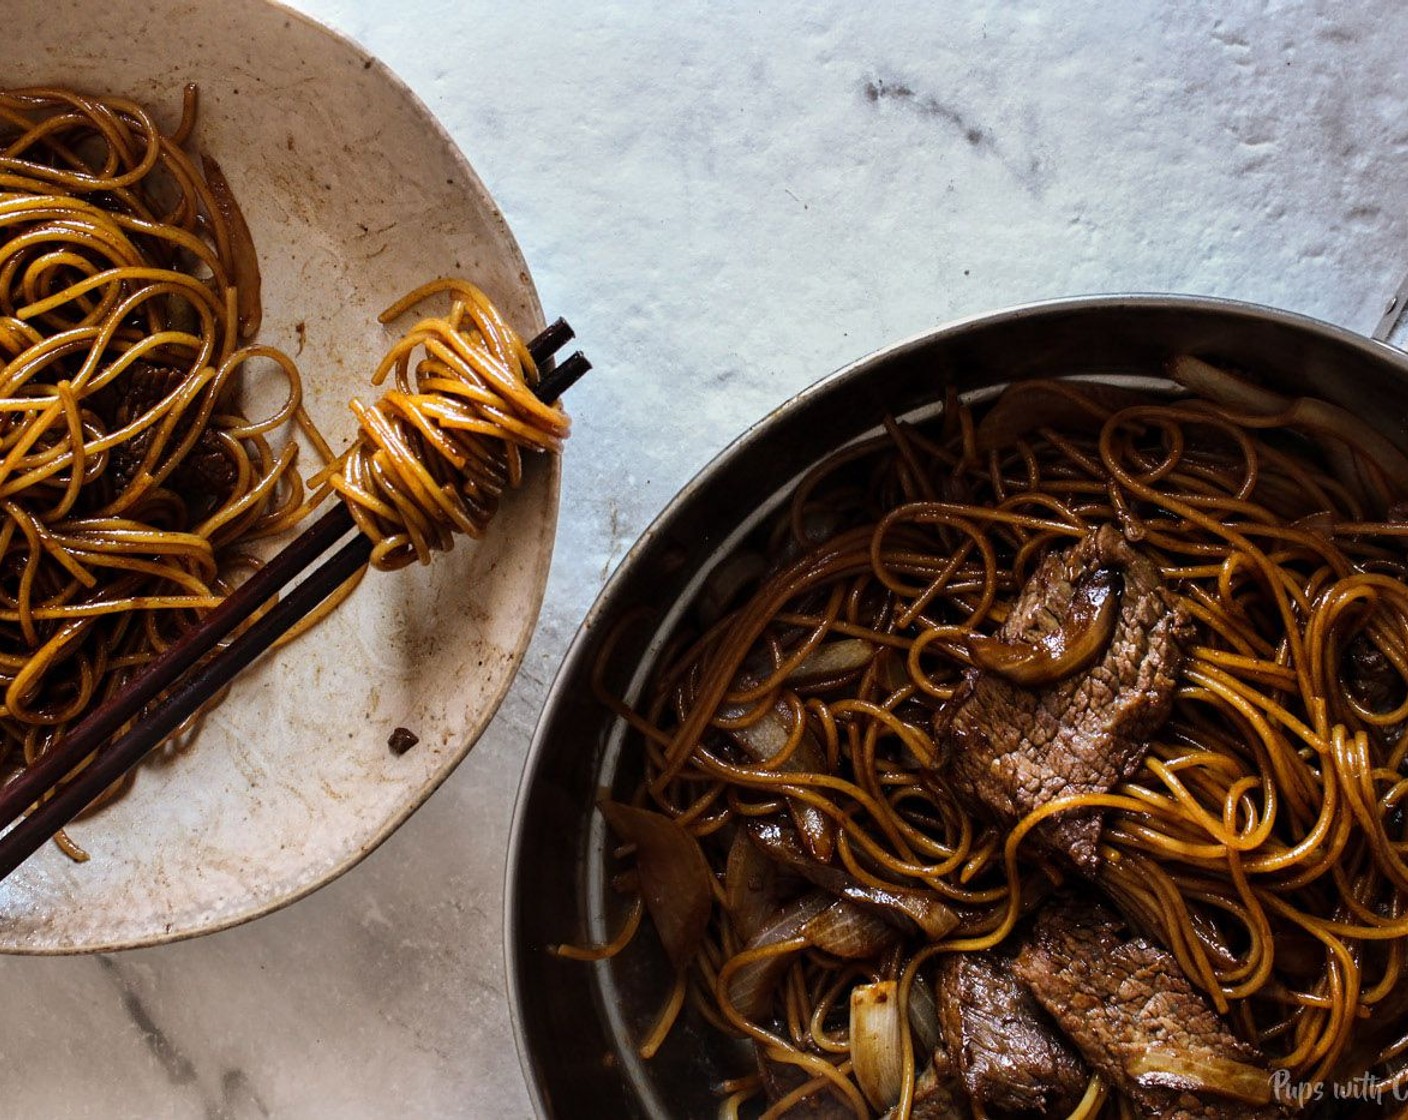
(354, 195)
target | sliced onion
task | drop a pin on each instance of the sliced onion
(1076, 645)
(725, 582)
(1364, 460)
(750, 887)
(1369, 448)
(674, 877)
(750, 988)
(894, 671)
(833, 660)
(764, 739)
(1017, 661)
(935, 919)
(782, 844)
(1207, 380)
(877, 1046)
(819, 523)
(817, 829)
(924, 1014)
(848, 931)
(1224, 1077)
(905, 908)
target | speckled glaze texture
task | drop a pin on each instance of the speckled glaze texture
(730, 200)
(354, 196)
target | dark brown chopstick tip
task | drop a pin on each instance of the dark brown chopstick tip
(550, 340)
(551, 387)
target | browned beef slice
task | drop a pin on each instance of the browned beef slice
(1118, 998)
(1008, 1054)
(1015, 749)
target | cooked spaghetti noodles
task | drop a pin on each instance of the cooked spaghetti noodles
(131, 483)
(1261, 840)
(129, 480)
(436, 453)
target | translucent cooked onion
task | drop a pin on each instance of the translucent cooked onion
(877, 1045)
(674, 877)
(1202, 1074)
(1364, 459)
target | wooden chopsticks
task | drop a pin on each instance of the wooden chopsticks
(190, 671)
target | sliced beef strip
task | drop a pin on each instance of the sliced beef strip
(1014, 749)
(1118, 998)
(1009, 1055)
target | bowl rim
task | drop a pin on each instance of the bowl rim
(569, 668)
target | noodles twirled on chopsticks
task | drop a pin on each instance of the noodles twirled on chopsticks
(436, 453)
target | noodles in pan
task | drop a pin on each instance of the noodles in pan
(131, 482)
(810, 836)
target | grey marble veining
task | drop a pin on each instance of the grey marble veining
(729, 201)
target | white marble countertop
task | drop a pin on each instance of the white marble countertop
(729, 201)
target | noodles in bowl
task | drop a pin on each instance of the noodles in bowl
(131, 485)
(290, 781)
(1040, 759)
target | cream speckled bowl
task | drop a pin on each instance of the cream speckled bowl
(354, 195)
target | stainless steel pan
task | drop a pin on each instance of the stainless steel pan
(577, 1023)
